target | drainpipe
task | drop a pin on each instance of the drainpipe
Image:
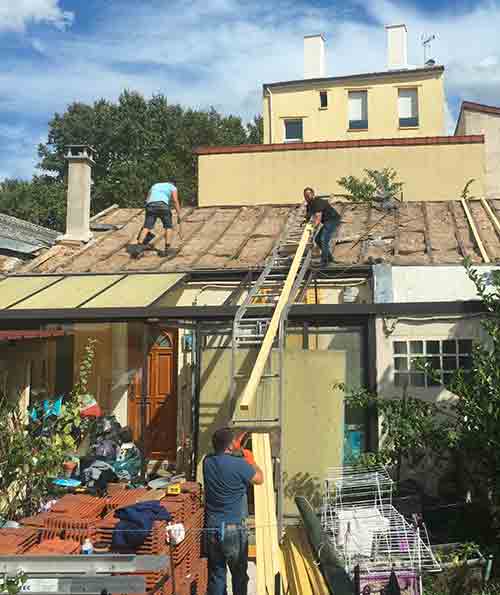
(195, 399)
(270, 115)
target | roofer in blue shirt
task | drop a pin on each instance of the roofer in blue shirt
(159, 206)
(227, 475)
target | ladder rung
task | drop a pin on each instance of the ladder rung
(263, 376)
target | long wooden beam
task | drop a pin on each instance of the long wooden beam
(265, 349)
(475, 232)
(491, 214)
(269, 565)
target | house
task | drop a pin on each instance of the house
(320, 129)
(164, 355)
(476, 118)
(163, 325)
(399, 102)
(21, 241)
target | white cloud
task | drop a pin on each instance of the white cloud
(16, 15)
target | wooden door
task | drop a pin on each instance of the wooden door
(160, 435)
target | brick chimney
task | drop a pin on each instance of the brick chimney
(80, 160)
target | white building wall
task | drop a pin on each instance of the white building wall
(434, 283)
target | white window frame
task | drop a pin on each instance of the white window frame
(363, 123)
(293, 140)
(412, 121)
(404, 362)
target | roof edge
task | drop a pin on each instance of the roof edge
(344, 144)
(471, 106)
(405, 73)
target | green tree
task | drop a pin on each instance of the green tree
(41, 201)
(138, 141)
(255, 131)
(376, 187)
(477, 407)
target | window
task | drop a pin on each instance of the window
(408, 107)
(442, 356)
(323, 99)
(293, 131)
(358, 110)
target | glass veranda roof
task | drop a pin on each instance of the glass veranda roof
(129, 290)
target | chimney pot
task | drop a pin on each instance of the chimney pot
(397, 47)
(81, 159)
(314, 56)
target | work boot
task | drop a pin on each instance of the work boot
(135, 250)
(164, 253)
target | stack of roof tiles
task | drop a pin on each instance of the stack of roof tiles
(14, 542)
(75, 518)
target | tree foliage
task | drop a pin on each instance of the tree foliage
(41, 201)
(376, 187)
(467, 427)
(30, 460)
(138, 142)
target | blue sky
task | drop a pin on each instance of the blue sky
(215, 52)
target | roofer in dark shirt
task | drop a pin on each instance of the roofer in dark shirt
(321, 211)
(227, 474)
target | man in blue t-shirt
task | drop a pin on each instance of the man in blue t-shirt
(227, 475)
(159, 206)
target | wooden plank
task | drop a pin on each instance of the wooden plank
(427, 232)
(475, 232)
(364, 243)
(491, 214)
(316, 578)
(266, 528)
(461, 245)
(397, 232)
(262, 357)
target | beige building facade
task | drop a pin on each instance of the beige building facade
(476, 118)
(430, 169)
(400, 104)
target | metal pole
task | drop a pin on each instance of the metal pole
(144, 393)
(195, 402)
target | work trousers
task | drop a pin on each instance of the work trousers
(230, 550)
(323, 240)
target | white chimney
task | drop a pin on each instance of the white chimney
(397, 47)
(314, 56)
(80, 160)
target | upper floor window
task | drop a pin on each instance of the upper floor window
(443, 357)
(358, 110)
(323, 99)
(293, 131)
(408, 107)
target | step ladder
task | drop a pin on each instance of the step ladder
(250, 327)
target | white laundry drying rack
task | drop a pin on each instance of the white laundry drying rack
(365, 528)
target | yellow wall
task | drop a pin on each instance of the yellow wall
(429, 172)
(302, 101)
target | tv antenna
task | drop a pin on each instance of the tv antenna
(426, 44)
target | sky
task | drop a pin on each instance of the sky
(218, 53)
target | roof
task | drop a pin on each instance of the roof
(403, 73)
(23, 237)
(471, 139)
(94, 291)
(241, 237)
(470, 106)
